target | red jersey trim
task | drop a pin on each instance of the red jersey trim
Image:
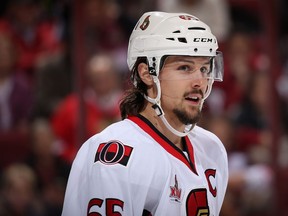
(150, 129)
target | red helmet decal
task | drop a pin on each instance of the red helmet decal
(187, 17)
(145, 23)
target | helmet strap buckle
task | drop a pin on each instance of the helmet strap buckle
(157, 109)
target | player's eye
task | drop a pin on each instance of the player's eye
(204, 69)
(184, 68)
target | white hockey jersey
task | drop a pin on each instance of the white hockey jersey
(131, 169)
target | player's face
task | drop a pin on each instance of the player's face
(184, 80)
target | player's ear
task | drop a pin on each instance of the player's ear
(143, 72)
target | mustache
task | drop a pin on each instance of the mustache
(186, 94)
(195, 91)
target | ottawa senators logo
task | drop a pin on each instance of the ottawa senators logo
(187, 17)
(113, 152)
(145, 23)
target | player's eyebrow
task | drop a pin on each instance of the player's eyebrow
(187, 60)
(193, 62)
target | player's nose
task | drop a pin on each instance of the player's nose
(198, 80)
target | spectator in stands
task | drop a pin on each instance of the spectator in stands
(100, 20)
(37, 40)
(242, 58)
(52, 171)
(103, 31)
(18, 192)
(252, 116)
(16, 104)
(251, 174)
(99, 106)
(238, 67)
(16, 97)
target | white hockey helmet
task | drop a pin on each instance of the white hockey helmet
(159, 34)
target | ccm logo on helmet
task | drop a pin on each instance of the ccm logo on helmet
(204, 40)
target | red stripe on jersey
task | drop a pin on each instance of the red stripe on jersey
(114, 148)
(128, 150)
(143, 123)
(190, 151)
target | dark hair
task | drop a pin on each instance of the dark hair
(134, 102)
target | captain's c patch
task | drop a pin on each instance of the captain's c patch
(113, 152)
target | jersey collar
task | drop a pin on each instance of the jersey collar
(150, 129)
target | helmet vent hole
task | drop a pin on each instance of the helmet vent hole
(170, 39)
(195, 50)
(182, 40)
(178, 31)
(196, 28)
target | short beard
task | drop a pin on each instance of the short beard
(187, 119)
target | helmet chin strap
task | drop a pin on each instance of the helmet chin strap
(159, 111)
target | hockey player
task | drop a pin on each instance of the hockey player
(157, 161)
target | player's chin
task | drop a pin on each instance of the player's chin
(193, 110)
(194, 114)
(188, 117)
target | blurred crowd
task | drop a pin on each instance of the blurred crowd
(63, 71)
